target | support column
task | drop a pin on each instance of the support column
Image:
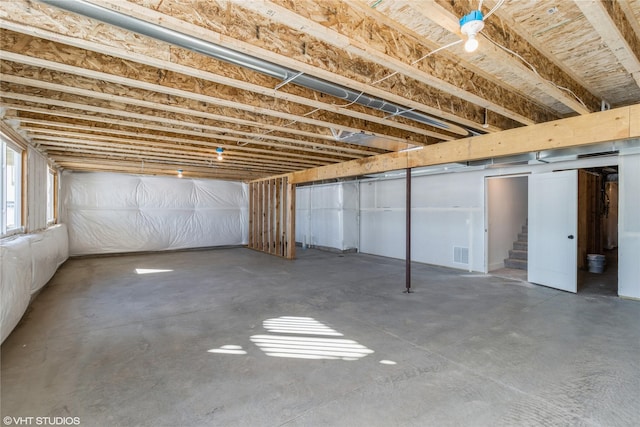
(408, 233)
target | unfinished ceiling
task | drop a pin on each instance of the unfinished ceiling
(290, 85)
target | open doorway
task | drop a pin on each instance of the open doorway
(598, 230)
(506, 234)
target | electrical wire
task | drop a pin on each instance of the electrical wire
(492, 11)
(535, 71)
(447, 46)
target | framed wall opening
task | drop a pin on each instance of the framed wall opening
(506, 213)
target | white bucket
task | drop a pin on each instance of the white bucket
(596, 263)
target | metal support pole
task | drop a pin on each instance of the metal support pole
(408, 233)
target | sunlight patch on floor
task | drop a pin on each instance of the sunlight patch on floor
(150, 270)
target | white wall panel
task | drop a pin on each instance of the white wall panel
(111, 213)
(382, 232)
(629, 226)
(446, 214)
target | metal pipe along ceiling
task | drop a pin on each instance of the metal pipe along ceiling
(221, 53)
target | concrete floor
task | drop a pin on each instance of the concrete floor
(116, 348)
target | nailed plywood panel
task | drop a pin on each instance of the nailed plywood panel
(569, 36)
(411, 14)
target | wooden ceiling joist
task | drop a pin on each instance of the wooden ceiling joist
(240, 36)
(62, 52)
(301, 117)
(188, 148)
(527, 114)
(182, 143)
(548, 76)
(611, 23)
(111, 116)
(83, 163)
(168, 104)
(53, 147)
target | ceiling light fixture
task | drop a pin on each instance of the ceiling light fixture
(219, 150)
(470, 25)
(179, 173)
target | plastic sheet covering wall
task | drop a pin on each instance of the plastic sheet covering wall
(115, 213)
(327, 215)
(27, 263)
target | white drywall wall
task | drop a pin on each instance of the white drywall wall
(447, 213)
(115, 213)
(382, 217)
(27, 263)
(507, 213)
(629, 226)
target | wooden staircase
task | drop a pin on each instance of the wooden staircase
(519, 254)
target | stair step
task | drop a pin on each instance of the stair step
(523, 237)
(519, 264)
(521, 246)
(516, 254)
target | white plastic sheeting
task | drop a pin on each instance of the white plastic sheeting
(115, 213)
(327, 215)
(28, 262)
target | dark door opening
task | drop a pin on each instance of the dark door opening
(598, 231)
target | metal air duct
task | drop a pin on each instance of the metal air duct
(221, 53)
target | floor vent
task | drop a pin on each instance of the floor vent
(460, 255)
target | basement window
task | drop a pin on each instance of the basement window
(10, 188)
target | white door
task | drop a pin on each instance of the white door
(553, 227)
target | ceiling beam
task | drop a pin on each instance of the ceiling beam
(163, 147)
(73, 52)
(633, 17)
(65, 109)
(211, 100)
(64, 146)
(239, 35)
(160, 108)
(482, 93)
(611, 23)
(183, 143)
(613, 125)
(547, 77)
(41, 18)
(274, 109)
(141, 167)
(190, 103)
